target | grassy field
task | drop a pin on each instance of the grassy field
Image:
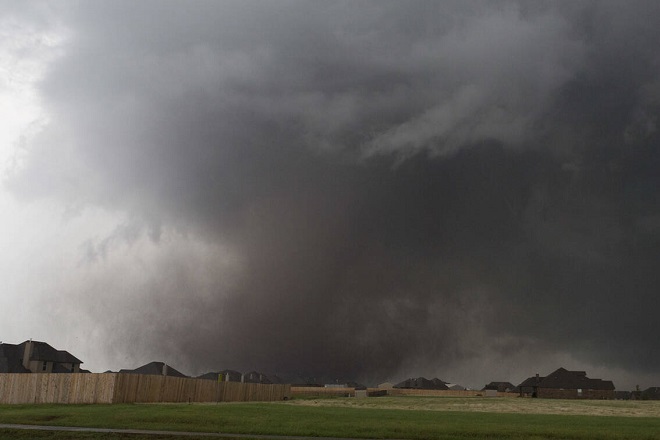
(397, 417)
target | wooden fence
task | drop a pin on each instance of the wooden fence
(322, 392)
(129, 388)
(146, 388)
(56, 388)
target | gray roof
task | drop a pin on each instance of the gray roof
(10, 359)
(531, 382)
(42, 351)
(651, 393)
(565, 379)
(500, 386)
(155, 369)
(422, 383)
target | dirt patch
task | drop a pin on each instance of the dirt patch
(498, 405)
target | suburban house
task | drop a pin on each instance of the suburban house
(155, 369)
(564, 384)
(422, 383)
(237, 376)
(37, 357)
(255, 377)
(651, 393)
(212, 375)
(529, 387)
(501, 387)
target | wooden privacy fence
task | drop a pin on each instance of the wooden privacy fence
(322, 392)
(144, 388)
(129, 388)
(56, 388)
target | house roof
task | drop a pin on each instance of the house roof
(154, 368)
(10, 359)
(235, 376)
(531, 381)
(422, 383)
(275, 379)
(652, 393)
(255, 377)
(41, 351)
(232, 375)
(209, 376)
(562, 378)
(500, 386)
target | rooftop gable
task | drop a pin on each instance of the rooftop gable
(156, 369)
(42, 351)
(532, 381)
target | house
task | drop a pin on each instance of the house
(232, 375)
(255, 377)
(275, 379)
(155, 369)
(422, 383)
(565, 384)
(529, 387)
(500, 387)
(215, 376)
(237, 376)
(651, 393)
(37, 357)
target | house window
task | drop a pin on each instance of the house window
(579, 390)
(44, 366)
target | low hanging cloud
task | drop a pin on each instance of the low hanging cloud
(361, 189)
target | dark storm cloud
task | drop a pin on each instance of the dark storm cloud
(400, 181)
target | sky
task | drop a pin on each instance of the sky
(364, 190)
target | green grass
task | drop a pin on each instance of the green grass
(19, 434)
(311, 421)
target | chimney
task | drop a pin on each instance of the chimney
(164, 369)
(27, 353)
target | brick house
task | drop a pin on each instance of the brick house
(564, 384)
